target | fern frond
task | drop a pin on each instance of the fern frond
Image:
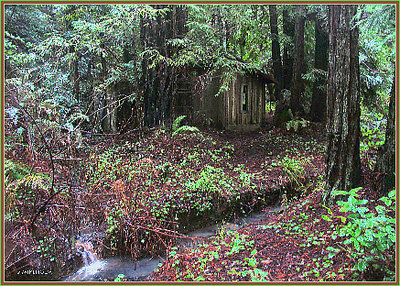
(177, 122)
(185, 128)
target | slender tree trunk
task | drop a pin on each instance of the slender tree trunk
(76, 77)
(288, 30)
(102, 98)
(282, 113)
(276, 50)
(113, 108)
(318, 102)
(343, 166)
(385, 164)
(297, 91)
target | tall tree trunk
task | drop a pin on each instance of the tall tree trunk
(343, 165)
(76, 76)
(100, 100)
(159, 83)
(288, 30)
(318, 102)
(276, 50)
(385, 163)
(297, 91)
(108, 109)
(282, 113)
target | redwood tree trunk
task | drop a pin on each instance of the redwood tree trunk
(288, 30)
(276, 50)
(318, 102)
(343, 166)
(385, 164)
(297, 91)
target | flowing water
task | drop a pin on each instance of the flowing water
(108, 269)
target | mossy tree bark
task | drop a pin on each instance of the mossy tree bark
(385, 164)
(343, 165)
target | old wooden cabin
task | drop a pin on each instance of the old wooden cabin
(239, 107)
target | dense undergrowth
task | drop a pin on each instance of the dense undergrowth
(149, 190)
(307, 242)
(137, 197)
(40, 222)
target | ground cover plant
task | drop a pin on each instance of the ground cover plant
(308, 242)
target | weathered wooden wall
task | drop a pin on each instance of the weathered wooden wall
(225, 111)
(234, 116)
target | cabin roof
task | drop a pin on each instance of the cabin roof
(258, 74)
(264, 77)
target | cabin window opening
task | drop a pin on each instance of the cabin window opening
(245, 97)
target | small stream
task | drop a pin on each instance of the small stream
(108, 269)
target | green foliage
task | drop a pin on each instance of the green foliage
(371, 232)
(24, 189)
(315, 74)
(208, 45)
(150, 187)
(373, 126)
(212, 184)
(14, 171)
(185, 129)
(297, 124)
(230, 244)
(239, 243)
(178, 122)
(377, 53)
(120, 278)
(293, 167)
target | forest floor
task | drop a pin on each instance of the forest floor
(300, 242)
(140, 196)
(295, 244)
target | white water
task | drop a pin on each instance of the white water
(108, 269)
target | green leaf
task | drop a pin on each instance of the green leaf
(177, 122)
(340, 193)
(362, 202)
(386, 200)
(380, 209)
(325, 217)
(392, 194)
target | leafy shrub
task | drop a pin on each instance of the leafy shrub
(372, 126)
(297, 124)
(371, 234)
